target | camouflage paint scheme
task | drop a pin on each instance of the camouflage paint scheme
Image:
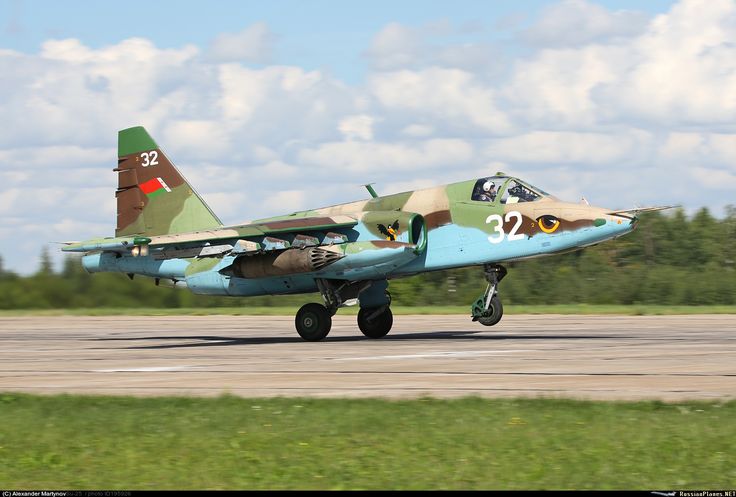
(165, 230)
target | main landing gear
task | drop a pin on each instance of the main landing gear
(313, 321)
(487, 310)
(375, 322)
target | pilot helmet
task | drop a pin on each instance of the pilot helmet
(488, 185)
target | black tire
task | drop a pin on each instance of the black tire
(494, 313)
(313, 322)
(379, 326)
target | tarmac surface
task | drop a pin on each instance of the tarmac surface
(589, 357)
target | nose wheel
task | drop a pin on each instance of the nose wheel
(488, 316)
(487, 309)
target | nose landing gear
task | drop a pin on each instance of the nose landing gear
(487, 309)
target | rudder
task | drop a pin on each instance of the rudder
(153, 197)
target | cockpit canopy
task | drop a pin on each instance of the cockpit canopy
(506, 190)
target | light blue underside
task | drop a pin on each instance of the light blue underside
(448, 247)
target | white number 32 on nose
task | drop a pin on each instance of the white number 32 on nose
(499, 233)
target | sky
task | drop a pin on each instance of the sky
(270, 107)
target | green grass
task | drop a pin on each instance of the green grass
(83, 442)
(464, 310)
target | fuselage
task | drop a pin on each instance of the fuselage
(463, 232)
(396, 235)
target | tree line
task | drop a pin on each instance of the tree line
(670, 259)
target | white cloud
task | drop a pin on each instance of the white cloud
(678, 145)
(576, 22)
(48, 157)
(286, 201)
(71, 94)
(253, 44)
(385, 159)
(684, 70)
(450, 97)
(689, 148)
(197, 139)
(417, 130)
(584, 149)
(398, 46)
(277, 104)
(556, 88)
(357, 127)
(394, 46)
(679, 71)
(715, 179)
(724, 148)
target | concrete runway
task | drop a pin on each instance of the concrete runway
(594, 357)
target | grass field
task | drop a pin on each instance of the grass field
(233, 443)
(630, 310)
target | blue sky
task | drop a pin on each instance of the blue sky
(318, 34)
(270, 107)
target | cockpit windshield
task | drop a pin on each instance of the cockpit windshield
(517, 192)
(512, 190)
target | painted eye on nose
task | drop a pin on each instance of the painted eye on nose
(548, 223)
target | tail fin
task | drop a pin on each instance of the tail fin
(153, 197)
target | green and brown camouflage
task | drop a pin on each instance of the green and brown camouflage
(165, 230)
(153, 198)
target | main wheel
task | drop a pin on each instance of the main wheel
(313, 322)
(494, 313)
(375, 326)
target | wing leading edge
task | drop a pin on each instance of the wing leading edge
(305, 231)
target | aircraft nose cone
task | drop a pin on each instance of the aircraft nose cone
(627, 220)
(626, 223)
(617, 224)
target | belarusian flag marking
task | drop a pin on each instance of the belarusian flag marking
(154, 187)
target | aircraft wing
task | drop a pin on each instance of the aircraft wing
(275, 227)
(263, 235)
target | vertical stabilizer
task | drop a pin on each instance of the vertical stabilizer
(153, 197)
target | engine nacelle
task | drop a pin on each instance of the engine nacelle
(399, 226)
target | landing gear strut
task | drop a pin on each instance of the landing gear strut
(337, 293)
(487, 310)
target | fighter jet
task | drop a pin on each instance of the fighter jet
(347, 252)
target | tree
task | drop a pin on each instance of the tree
(46, 266)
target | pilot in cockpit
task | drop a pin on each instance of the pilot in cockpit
(486, 192)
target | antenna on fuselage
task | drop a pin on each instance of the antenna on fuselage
(371, 190)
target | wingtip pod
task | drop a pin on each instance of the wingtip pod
(134, 140)
(71, 247)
